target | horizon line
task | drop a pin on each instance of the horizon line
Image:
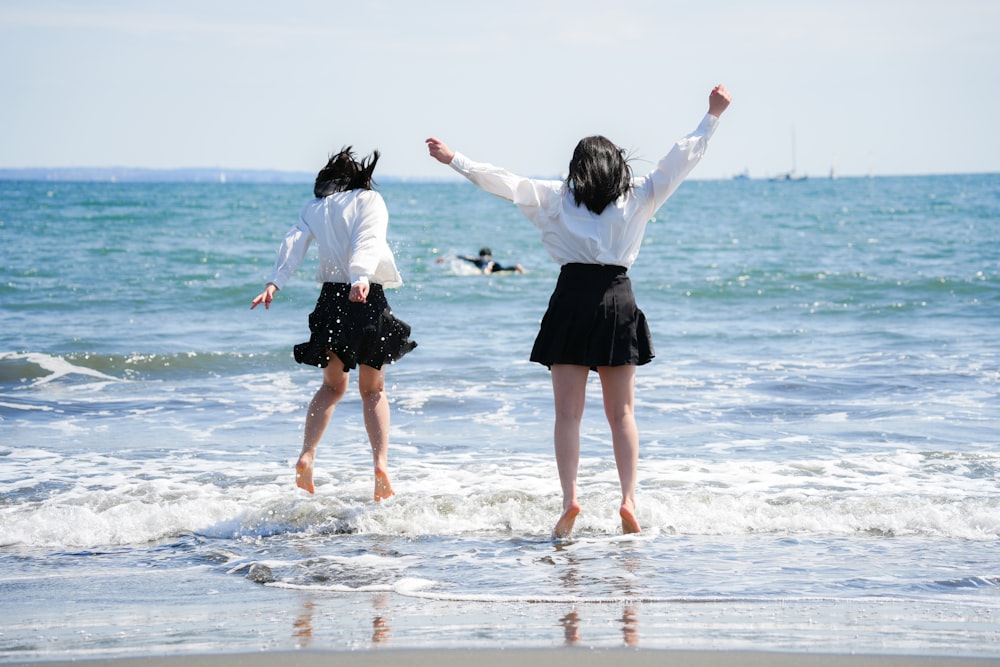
(262, 175)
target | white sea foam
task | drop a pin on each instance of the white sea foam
(57, 367)
(21, 406)
(104, 500)
(409, 586)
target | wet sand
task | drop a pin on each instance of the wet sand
(566, 657)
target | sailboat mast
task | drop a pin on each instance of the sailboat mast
(795, 153)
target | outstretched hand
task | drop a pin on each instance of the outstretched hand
(265, 297)
(439, 150)
(718, 100)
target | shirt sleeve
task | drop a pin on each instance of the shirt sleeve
(291, 253)
(526, 193)
(675, 166)
(368, 238)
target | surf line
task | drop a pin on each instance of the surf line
(407, 591)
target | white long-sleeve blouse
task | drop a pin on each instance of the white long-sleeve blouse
(573, 233)
(350, 232)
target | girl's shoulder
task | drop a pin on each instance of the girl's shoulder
(370, 199)
(368, 195)
(361, 196)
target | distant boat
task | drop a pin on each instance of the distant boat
(791, 175)
(742, 176)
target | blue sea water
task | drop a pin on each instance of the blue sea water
(820, 430)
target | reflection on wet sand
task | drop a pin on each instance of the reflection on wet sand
(380, 624)
(570, 579)
(302, 626)
(571, 627)
(302, 629)
(629, 620)
(630, 626)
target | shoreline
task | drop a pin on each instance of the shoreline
(554, 657)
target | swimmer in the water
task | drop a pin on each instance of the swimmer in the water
(485, 263)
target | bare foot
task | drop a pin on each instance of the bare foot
(383, 488)
(629, 523)
(304, 473)
(565, 524)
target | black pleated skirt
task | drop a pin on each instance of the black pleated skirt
(592, 320)
(359, 333)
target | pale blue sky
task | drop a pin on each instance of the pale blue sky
(875, 86)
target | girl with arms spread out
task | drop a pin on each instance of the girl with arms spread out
(592, 225)
(352, 324)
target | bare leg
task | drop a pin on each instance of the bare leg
(371, 383)
(320, 410)
(569, 389)
(618, 387)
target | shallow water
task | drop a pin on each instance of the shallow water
(819, 466)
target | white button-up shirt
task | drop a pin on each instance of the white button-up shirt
(573, 233)
(350, 231)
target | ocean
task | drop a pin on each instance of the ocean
(820, 430)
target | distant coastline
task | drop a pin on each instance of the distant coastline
(145, 175)
(178, 175)
(221, 175)
(195, 175)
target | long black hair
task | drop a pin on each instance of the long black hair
(599, 173)
(344, 172)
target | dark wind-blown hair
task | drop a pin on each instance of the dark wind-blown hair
(344, 172)
(599, 173)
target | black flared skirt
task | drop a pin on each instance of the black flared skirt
(358, 333)
(592, 320)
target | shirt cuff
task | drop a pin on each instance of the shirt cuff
(708, 125)
(278, 281)
(460, 163)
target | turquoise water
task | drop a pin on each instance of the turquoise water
(819, 467)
